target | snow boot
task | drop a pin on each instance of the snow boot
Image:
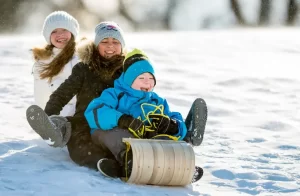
(55, 130)
(198, 174)
(195, 122)
(109, 168)
(113, 169)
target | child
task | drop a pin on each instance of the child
(131, 98)
(55, 61)
(132, 109)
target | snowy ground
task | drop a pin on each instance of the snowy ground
(249, 79)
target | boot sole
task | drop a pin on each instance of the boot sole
(108, 168)
(41, 124)
(198, 174)
(199, 121)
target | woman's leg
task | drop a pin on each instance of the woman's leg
(195, 122)
(55, 130)
(83, 150)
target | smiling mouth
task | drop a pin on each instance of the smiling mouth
(61, 41)
(145, 89)
(109, 53)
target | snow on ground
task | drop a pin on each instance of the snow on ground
(249, 79)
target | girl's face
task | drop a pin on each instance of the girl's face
(109, 47)
(60, 37)
(144, 82)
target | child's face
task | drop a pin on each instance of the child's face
(144, 82)
(60, 37)
(109, 47)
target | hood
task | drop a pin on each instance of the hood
(107, 69)
(85, 49)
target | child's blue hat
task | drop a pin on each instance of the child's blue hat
(136, 63)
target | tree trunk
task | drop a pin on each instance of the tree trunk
(292, 12)
(236, 10)
(264, 12)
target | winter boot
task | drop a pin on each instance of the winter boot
(198, 174)
(55, 130)
(114, 169)
(195, 122)
(109, 168)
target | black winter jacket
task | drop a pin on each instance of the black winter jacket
(87, 83)
(84, 82)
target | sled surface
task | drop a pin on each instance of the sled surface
(161, 162)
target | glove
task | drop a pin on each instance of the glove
(173, 127)
(164, 124)
(134, 125)
(159, 122)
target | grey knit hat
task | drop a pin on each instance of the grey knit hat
(109, 29)
(59, 19)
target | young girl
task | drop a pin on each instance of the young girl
(101, 63)
(132, 109)
(54, 62)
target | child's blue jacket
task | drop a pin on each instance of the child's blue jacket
(104, 112)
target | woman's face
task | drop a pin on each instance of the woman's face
(109, 47)
(60, 37)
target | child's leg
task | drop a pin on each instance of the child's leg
(195, 122)
(112, 140)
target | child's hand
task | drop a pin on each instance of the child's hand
(160, 123)
(134, 125)
(163, 124)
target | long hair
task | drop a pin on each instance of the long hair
(57, 64)
(102, 65)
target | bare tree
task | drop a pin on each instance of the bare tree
(8, 10)
(292, 12)
(236, 10)
(264, 12)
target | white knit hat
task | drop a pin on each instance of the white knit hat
(109, 29)
(59, 19)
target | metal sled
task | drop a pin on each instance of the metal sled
(161, 162)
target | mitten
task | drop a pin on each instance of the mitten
(160, 123)
(173, 127)
(134, 125)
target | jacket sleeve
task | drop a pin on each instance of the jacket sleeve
(66, 91)
(41, 87)
(101, 113)
(182, 130)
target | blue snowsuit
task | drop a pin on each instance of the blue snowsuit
(104, 112)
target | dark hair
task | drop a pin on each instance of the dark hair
(99, 62)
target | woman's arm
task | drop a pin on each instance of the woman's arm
(66, 91)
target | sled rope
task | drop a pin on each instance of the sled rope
(159, 111)
(126, 160)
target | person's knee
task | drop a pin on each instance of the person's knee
(86, 155)
(98, 137)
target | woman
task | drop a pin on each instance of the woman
(101, 64)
